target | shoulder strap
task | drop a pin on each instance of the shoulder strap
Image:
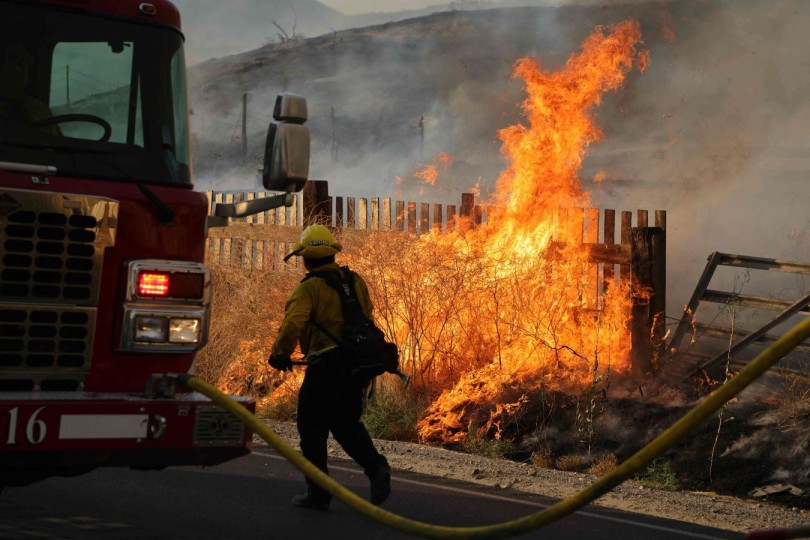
(344, 286)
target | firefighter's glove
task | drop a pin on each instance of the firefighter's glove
(281, 363)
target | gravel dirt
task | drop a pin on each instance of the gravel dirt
(709, 509)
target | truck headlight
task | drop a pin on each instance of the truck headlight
(151, 329)
(184, 330)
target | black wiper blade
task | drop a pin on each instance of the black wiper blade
(164, 214)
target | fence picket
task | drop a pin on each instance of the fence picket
(339, 212)
(609, 239)
(351, 213)
(362, 214)
(451, 217)
(375, 214)
(626, 236)
(400, 215)
(641, 221)
(424, 218)
(386, 214)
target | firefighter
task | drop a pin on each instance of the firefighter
(330, 399)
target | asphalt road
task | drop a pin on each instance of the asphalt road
(249, 498)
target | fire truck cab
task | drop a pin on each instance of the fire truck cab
(102, 241)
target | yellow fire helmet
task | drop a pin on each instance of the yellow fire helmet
(316, 242)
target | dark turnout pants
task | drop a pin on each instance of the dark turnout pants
(329, 400)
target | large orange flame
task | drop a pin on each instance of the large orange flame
(535, 296)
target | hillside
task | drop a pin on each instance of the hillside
(215, 29)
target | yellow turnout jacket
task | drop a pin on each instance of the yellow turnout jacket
(314, 299)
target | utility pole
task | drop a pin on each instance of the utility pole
(244, 126)
(422, 137)
(334, 141)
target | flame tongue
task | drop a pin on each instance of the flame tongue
(545, 157)
(535, 314)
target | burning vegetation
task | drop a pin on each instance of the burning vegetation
(486, 316)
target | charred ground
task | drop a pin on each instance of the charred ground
(751, 443)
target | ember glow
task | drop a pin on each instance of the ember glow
(430, 173)
(499, 312)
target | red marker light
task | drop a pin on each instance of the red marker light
(153, 284)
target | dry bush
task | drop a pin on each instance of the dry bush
(542, 458)
(603, 465)
(793, 412)
(246, 311)
(570, 463)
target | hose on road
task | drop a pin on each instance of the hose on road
(710, 405)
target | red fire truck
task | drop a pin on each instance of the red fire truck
(103, 290)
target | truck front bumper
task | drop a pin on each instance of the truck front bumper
(45, 434)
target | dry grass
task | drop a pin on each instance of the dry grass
(793, 412)
(246, 312)
(603, 465)
(570, 463)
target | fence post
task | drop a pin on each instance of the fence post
(648, 263)
(317, 203)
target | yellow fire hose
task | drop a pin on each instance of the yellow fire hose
(625, 470)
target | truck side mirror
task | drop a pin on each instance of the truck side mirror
(286, 151)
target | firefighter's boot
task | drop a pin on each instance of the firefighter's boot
(308, 499)
(380, 484)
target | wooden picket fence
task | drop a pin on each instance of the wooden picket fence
(638, 254)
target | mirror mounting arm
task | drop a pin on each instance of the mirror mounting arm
(248, 208)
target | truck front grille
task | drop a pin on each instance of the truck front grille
(53, 246)
(46, 348)
(52, 251)
(214, 426)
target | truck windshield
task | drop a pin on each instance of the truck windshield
(95, 97)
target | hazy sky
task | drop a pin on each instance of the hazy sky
(364, 6)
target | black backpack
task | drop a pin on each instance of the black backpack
(363, 346)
